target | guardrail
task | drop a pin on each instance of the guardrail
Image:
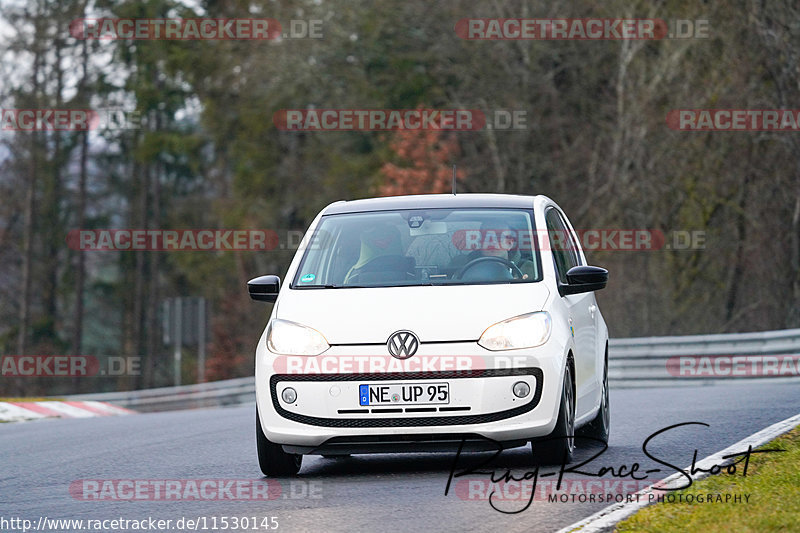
(642, 362)
(633, 362)
(211, 394)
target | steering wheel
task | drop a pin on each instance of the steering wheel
(485, 259)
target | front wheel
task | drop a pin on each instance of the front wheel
(559, 446)
(271, 457)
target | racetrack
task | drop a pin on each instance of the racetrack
(362, 493)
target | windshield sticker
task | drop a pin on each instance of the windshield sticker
(307, 278)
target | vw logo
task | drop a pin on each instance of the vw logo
(402, 344)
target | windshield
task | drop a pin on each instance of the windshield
(421, 247)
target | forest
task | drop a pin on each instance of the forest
(187, 135)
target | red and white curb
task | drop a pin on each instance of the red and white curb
(21, 411)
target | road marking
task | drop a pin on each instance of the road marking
(20, 411)
(83, 406)
(66, 410)
(608, 517)
(107, 407)
(37, 407)
(10, 412)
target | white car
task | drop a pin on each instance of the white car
(429, 323)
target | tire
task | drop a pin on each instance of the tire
(271, 457)
(600, 427)
(559, 446)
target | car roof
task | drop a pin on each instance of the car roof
(433, 201)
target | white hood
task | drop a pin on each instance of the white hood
(433, 313)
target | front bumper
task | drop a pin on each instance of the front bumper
(327, 416)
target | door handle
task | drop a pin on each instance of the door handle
(592, 309)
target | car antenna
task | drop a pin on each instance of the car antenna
(454, 179)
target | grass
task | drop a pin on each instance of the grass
(29, 399)
(773, 483)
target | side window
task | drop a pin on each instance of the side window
(562, 245)
(573, 245)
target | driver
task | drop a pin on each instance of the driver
(503, 244)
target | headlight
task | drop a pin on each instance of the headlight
(290, 338)
(524, 331)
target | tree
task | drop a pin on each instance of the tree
(430, 155)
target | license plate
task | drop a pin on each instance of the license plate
(404, 394)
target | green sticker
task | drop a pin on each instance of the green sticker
(307, 278)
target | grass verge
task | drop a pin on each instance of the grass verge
(772, 482)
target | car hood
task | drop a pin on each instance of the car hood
(434, 313)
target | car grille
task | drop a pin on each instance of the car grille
(407, 421)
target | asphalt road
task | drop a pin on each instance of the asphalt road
(387, 493)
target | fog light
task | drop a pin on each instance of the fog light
(289, 395)
(520, 388)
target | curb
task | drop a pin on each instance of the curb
(25, 411)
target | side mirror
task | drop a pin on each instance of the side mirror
(264, 288)
(584, 279)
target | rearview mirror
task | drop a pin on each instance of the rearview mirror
(584, 279)
(264, 288)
